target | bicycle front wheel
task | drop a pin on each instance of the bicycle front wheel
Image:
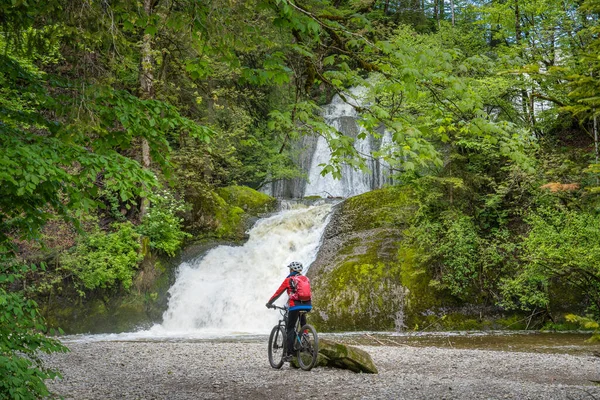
(309, 347)
(276, 346)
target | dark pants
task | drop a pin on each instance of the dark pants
(291, 325)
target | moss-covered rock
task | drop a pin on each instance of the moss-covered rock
(356, 277)
(227, 212)
(337, 355)
(249, 200)
(343, 356)
(114, 310)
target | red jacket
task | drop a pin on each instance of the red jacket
(293, 304)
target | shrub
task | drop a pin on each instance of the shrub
(102, 259)
(22, 372)
(162, 225)
(561, 245)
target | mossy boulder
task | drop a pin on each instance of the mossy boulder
(227, 212)
(345, 357)
(337, 355)
(249, 200)
(356, 277)
(367, 277)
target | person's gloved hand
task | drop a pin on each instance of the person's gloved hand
(269, 305)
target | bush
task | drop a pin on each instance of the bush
(587, 323)
(561, 245)
(162, 225)
(102, 259)
(460, 259)
(22, 372)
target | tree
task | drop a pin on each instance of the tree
(54, 160)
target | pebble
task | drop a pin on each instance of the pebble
(234, 370)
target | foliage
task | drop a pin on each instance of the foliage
(586, 323)
(21, 341)
(461, 258)
(162, 225)
(583, 79)
(44, 165)
(101, 260)
(562, 244)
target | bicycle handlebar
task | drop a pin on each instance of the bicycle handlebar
(278, 308)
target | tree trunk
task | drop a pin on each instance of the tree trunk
(147, 90)
(452, 10)
(596, 134)
(517, 22)
(527, 102)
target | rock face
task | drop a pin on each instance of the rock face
(332, 354)
(356, 278)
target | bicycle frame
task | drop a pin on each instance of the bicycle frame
(283, 323)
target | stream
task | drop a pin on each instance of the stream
(574, 343)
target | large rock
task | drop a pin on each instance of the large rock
(357, 277)
(337, 355)
(342, 356)
(225, 213)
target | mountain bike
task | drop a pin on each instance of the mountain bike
(306, 343)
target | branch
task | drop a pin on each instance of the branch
(552, 99)
(318, 20)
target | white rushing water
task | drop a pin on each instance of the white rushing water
(224, 293)
(227, 289)
(342, 116)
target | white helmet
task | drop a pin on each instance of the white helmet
(296, 266)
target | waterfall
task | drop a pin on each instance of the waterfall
(225, 291)
(342, 116)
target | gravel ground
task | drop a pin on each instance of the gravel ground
(240, 370)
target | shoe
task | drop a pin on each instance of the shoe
(289, 357)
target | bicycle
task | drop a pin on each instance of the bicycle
(306, 343)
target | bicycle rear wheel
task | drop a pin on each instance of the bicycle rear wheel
(309, 347)
(276, 346)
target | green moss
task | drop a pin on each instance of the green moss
(363, 290)
(98, 307)
(389, 207)
(229, 219)
(249, 200)
(420, 297)
(362, 293)
(225, 213)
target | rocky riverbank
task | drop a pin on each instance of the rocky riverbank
(240, 370)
